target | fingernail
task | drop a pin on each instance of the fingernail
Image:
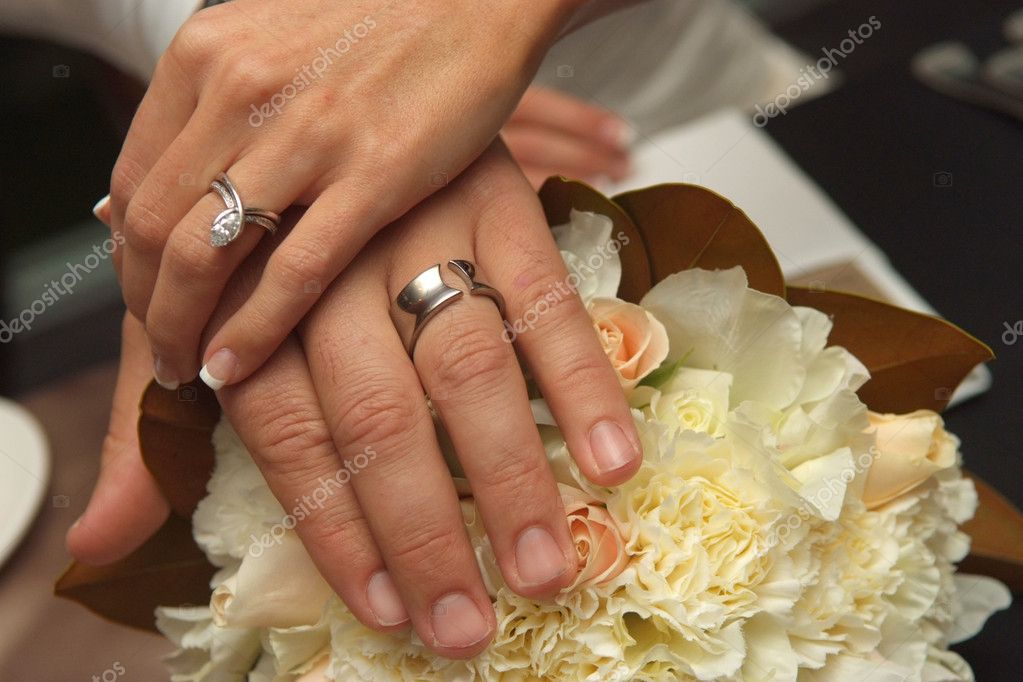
(616, 133)
(457, 622)
(163, 377)
(100, 207)
(538, 557)
(611, 448)
(384, 601)
(219, 369)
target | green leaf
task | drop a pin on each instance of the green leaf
(660, 375)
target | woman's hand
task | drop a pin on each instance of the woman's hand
(390, 540)
(357, 109)
(553, 133)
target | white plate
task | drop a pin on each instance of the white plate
(24, 474)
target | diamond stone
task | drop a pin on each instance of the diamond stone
(225, 228)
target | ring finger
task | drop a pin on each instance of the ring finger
(476, 385)
(192, 269)
(377, 414)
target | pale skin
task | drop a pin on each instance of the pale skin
(380, 138)
(392, 543)
(407, 101)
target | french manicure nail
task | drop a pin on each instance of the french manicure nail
(611, 447)
(219, 369)
(163, 377)
(457, 622)
(100, 207)
(538, 557)
(384, 601)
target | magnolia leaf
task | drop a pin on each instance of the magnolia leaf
(996, 534)
(687, 226)
(915, 360)
(168, 570)
(560, 195)
(175, 436)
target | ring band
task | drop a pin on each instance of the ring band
(427, 294)
(229, 223)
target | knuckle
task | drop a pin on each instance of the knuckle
(197, 38)
(379, 414)
(297, 265)
(125, 179)
(190, 255)
(425, 546)
(341, 524)
(291, 438)
(163, 339)
(513, 471)
(548, 298)
(581, 368)
(473, 355)
(145, 229)
(248, 74)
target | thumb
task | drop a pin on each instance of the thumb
(126, 507)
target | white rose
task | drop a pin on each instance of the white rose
(690, 400)
(279, 587)
(590, 254)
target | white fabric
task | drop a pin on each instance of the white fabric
(131, 34)
(664, 62)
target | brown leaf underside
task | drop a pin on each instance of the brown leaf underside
(169, 569)
(915, 360)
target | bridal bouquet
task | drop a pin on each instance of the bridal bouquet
(778, 528)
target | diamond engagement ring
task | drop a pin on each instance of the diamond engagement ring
(427, 294)
(229, 222)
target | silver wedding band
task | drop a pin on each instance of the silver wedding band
(427, 294)
(228, 224)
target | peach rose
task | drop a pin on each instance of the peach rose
(634, 340)
(910, 448)
(598, 541)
